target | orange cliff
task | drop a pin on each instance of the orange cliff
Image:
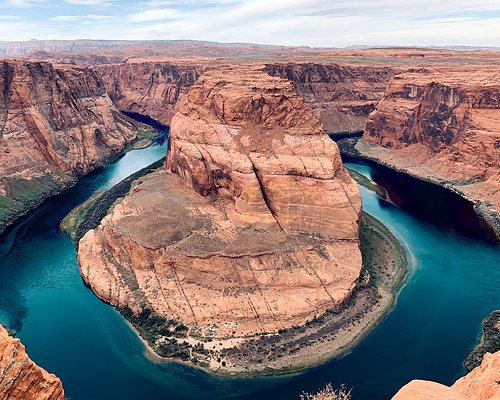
(444, 127)
(21, 378)
(56, 123)
(253, 228)
(482, 383)
(342, 96)
(148, 87)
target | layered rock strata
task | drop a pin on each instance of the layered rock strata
(482, 383)
(21, 378)
(342, 96)
(253, 228)
(148, 88)
(55, 123)
(444, 127)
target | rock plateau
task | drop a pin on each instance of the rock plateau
(21, 378)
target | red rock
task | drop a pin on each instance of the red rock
(482, 383)
(445, 127)
(21, 378)
(148, 88)
(342, 96)
(57, 123)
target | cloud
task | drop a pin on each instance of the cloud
(74, 18)
(22, 3)
(92, 3)
(154, 15)
(322, 23)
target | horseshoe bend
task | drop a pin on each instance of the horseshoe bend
(234, 238)
(251, 230)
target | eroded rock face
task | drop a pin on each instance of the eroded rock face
(482, 383)
(21, 378)
(341, 96)
(250, 139)
(267, 239)
(56, 123)
(148, 88)
(444, 127)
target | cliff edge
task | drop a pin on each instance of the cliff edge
(21, 378)
(482, 383)
(56, 122)
(443, 127)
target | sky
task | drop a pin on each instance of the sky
(317, 23)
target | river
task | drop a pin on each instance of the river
(452, 285)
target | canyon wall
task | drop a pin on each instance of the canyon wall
(253, 228)
(56, 123)
(482, 383)
(342, 96)
(148, 88)
(445, 127)
(21, 378)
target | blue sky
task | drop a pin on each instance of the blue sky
(335, 23)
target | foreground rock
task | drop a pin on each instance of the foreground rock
(253, 229)
(57, 123)
(482, 383)
(342, 96)
(444, 127)
(21, 378)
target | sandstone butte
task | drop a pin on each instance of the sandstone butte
(57, 122)
(482, 383)
(21, 378)
(253, 226)
(443, 126)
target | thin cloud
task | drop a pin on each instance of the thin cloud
(92, 3)
(320, 23)
(74, 18)
(154, 15)
(22, 3)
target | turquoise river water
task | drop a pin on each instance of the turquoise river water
(452, 285)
